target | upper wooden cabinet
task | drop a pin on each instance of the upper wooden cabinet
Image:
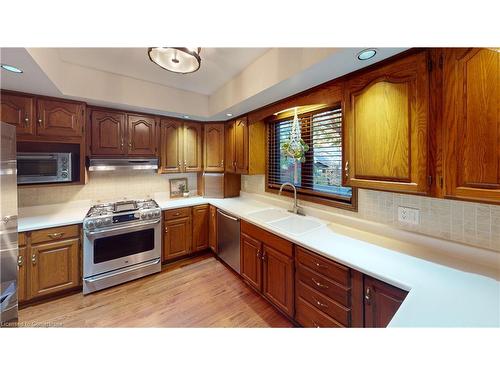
(60, 118)
(18, 110)
(245, 146)
(115, 133)
(214, 148)
(386, 118)
(193, 147)
(42, 117)
(107, 133)
(181, 146)
(471, 98)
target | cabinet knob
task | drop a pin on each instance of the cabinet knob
(33, 259)
(222, 162)
(121, 144)
(368, 295)
(258, 254)
(319, 265)
(321, 304)
(20, 260)
(40, 121)
(346, 169)
(26, 119)
(130, 145)
(319, 284)
(316, 325)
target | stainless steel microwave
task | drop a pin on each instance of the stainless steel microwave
(44, 167)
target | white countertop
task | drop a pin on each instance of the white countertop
(439, 296)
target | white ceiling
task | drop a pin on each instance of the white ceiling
(218, 65)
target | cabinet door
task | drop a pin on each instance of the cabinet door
(381, 302)
(171, 146)
(18, 110)
(108, 133)
(229, 147)
(471, 108)
(177, 240)
(386, 113)
(200, 227)
(278, 279)
(212, 229)
(141, 135)
(60, 119)
(54, 267)
(214, 148)
(22, 293)
(251, 262)
(193, 147)
(241, 145)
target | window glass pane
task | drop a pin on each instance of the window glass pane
(286, 165)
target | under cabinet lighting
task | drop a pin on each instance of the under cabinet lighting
(367, 54)
(11, 68)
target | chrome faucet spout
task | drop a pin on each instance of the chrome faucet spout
(296, 208)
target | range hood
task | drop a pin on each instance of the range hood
(123, 163)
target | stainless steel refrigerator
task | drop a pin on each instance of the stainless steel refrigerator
(8, 226)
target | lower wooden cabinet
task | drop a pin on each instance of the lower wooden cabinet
(267, 264)
(200, 227)
(49, 262)
(54, 267)
(381, 301)
(212, 229)
(177, 238)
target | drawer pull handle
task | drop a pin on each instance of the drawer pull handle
(177, 214)
(321, 304)
(316, 325)
(319, 284)
(33, 259)
(258, 254)
(368, 296)
(56, 235)
(319, 265)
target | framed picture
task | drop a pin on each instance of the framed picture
(178, 186)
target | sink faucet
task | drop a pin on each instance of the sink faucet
(296, 208)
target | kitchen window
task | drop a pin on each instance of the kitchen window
(320, 176)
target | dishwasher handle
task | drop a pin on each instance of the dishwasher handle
(226, 215)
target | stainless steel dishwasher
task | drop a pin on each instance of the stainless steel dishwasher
(228, 239)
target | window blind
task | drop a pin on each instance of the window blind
(321, 173)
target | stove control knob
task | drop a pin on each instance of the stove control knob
(90, 224)
(143, 215)
(150, 215)
(99, 222)
(107, 221)
(156, 214)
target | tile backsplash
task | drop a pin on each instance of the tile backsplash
(471, 223)
(105, 187)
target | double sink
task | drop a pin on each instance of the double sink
(283, 220)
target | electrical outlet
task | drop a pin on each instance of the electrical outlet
(408, 215)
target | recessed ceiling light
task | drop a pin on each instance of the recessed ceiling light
(367, 54)
(229, 114)
(10, 68)
(186, 116)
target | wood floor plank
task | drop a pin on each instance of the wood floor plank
(199, 292)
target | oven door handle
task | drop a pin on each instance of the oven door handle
(94, 279)
(124, 229)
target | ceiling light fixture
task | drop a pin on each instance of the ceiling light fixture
(11, 68)
(176, 59)
(367, 54)
(229, 114)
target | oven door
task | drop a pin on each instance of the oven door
(116, 248)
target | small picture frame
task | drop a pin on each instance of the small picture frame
(178, 186)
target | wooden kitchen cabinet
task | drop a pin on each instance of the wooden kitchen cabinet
(193, 147)
(181, 146)
(177, 233)
(471, 119)
(267, 264)
(245, 147)
(60, 118)
(141, 135)
(214, 147)
(22, 292)
(54, 267)
(200, 227)
(381, 301)
(212, 229)
(108, 133)
(18, 110)
(386, 127)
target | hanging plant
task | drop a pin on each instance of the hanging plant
(295, 147)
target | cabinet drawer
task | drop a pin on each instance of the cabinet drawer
(310, 317)
(177, 213)
(53, 234)
(324, 286)
(328, 268)
(321, 302)
(21, 239)
(278, 243)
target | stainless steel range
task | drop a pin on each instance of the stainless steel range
(122, 242)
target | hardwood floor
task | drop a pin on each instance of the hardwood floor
(199, 292)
